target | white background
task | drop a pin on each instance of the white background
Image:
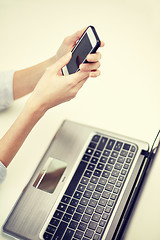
(124, 99)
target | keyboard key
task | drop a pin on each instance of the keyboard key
(86, 218)
(112, 161)
(118, 166)
(94, 160)
(110, 144)
(99, 209)
(77, 195)
(108, 167)
(67, 217)
(89, 151)
(99, 188)
(82, 226)
(106, 153)
(103, 202)
(84, 201)
(128, 160)
(92, 203)
(87, 173)
(115, 173)
(85, 180)
(92, 145)
(73, 224)
(66, 199)
(62, 206)
(133, 149)
(112, 180)
(68, 234)
(47, 236)
(54, 222)
(103, 181)
(74, 202)
(91, 187)
(76, 178)
(108, 209)
(121, 160)
(116, 190)
(114, 154)
(97, 173)
(96, 195)
(86, 157)
(88, 233)
(78, 234)
(81, 187)
(105, 216)
(94, 180)
(110, 203)
(58, 214)
(92, 225)
(99, 230)
(106, 194)
(100, 166)
(60, 231)
(130, 155)
(124, 153)
(96, 217)
(87, 194)
(118, 146)
(80, 209)
(123, 172)
(105, 174)
(70, 210)
(126, 166)
(118, 184)
(96, 237)
(91, 167)
(109, 187)
(97, 154)
(89, 210)
(103, 159)
(77, 217)
(102, 143)
(51, 229)
(126, 146)
(96, 138)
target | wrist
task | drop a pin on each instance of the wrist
(35, 109)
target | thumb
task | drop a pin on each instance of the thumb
(63, 61)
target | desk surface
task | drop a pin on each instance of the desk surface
(124, 99)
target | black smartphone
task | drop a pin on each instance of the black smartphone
(88, 43)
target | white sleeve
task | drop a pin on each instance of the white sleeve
(6, 89)
(3, 172)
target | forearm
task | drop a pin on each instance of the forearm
(24, 81)
(16, 135)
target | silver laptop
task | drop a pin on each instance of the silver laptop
(83, 187)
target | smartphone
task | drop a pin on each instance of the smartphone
(88, 43)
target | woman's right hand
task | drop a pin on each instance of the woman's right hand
(53, 88)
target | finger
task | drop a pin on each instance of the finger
(61, 63)
(89, 66)
(102, 44)
(79, 76)
(94, 57)
(95, 73)
(72, 39)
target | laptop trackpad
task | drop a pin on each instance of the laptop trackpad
(50, 175)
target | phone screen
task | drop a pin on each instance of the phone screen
(79, 55)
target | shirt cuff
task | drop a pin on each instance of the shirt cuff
(6, 89)
(3, 172)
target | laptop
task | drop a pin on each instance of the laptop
(83, 188)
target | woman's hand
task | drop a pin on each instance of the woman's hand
(53, 88)
(93, 59)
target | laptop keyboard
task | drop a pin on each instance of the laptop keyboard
(88, 202)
